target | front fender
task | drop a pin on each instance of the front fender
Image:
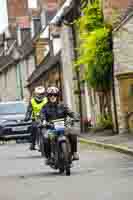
(62, 138)
(47, 134)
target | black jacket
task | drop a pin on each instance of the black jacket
(53, 111)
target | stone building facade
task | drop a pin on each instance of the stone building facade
(7, 90)
(48, 73)
(14, 69)
(123, 48)
(119, 13)
(18, 13)
(67, 57)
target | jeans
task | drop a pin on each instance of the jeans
(34, 134)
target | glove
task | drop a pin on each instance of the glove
(44, 123)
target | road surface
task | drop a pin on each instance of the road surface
(99, 175)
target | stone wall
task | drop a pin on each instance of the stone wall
(10, 80)
(123, 48)
(27, 67)
(40, 47)
(8, 84)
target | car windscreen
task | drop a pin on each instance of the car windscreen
(12, 108)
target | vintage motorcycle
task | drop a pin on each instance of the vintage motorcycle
(60, 146)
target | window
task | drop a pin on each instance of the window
(130, 91)
(12, 108)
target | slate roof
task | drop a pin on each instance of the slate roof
(46, 64)
(5, 61)
(124, 17)
(25, 49)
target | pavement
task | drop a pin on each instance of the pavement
(120, 142)
(99, 175)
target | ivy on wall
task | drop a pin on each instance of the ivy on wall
(95, 52)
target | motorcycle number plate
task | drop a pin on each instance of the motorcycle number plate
(59, 125)
(62, 138)
(48, 134)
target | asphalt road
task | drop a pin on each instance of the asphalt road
(99, 175)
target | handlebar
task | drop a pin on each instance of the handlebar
(68, 122)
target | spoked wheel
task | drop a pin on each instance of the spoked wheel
(66, 162)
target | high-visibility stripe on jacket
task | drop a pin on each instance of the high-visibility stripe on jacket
(36, 107)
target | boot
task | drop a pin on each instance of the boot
(32, 147)
(48, 161)
(75, 156)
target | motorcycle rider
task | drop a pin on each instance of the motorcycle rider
(54, 110)
(33, 111)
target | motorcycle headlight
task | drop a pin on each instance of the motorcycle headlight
(44, 123)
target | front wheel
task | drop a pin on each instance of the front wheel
(68, 171)
(42, 146)
(61, 169)
(66, 162)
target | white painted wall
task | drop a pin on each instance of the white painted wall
(67, 66)
(56, 45)
(8, 80)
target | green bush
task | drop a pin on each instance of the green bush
(105, 122)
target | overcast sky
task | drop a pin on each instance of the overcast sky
(32, 3)
(3, 13)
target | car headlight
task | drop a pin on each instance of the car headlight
(2, 121)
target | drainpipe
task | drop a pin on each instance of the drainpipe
(60, 79)
(21, 84)
(113, 89)
(19, 81)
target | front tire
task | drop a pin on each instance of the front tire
(61, 170)
(66, 161)
(68, 171)
(42, 146)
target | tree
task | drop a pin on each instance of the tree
(95, 53)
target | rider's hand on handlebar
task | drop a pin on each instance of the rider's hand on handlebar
(44, 123)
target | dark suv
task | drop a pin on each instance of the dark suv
(12, 124)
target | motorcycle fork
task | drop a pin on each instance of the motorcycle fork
(53, 148)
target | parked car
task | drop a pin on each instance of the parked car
(12, 124)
